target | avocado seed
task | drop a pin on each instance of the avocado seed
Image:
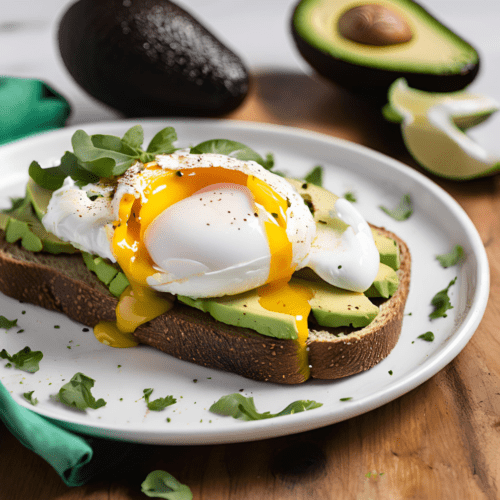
(374, 24)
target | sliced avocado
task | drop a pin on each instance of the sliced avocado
(330, 306)
(385, 284)
(387, 248)
(244, 310)
(39, 197)
(114, 279)
(150, 58)
(433, 124)
(335, 307)
(23, 223)
(342, 40)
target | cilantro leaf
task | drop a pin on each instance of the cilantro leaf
(238, 406)
(427, 336)
(315, 176)
(29, 397)
(161, 484)
(441, 302)
(350, 196)
(76, 393)
(160, 403)
(234, 149)
(6, 323)
(402, 211)
(26, 359)
(452, 258)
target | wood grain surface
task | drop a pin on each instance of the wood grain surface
(440, 441)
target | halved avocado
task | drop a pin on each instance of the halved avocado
(342, 40)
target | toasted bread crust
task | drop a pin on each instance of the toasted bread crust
(63, 283)
(333, 357)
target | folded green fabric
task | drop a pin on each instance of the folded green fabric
(76, 458)
(28, 107)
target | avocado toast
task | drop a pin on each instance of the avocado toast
(64, 282)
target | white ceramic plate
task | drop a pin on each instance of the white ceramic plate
(438, 223)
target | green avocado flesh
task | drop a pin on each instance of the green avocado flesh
(23, 223)
(433, 49)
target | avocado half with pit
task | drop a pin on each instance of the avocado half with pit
(364, 46)
(150, 58)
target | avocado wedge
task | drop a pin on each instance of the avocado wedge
(434, 125)
(365, 46)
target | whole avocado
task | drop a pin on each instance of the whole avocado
(150, 58)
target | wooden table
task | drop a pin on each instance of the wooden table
(440, 441)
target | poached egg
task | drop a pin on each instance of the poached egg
(206, 226)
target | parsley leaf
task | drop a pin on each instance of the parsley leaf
(350, 196)
(315, 176)
(441, 302)
(160, 403)
(427, 336)
(161, 484)
(29, 397)
(238, 406)
(76, 393)
(452, 258)
(26, 359)
(6, 323)
(402, 211)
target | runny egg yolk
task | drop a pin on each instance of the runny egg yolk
(162, 188)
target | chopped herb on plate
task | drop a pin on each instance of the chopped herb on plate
(6, 323)
(26, 359)
(76, 393)
(238, 406)
(29, 397)
(427, 336)
(441, 302)
(451, 258)
(160, 403)
(402, 211)
(315, 176)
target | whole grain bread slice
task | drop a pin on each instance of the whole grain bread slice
(63, 283)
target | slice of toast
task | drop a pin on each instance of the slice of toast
(63, 283)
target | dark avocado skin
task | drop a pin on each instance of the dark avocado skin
(374, 83)
(150, 58)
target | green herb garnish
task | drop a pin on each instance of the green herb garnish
(452, 258)
(29, 397)
(161, 484)
(402, 211)
(427, 336)
(76, 393)
(25, 360)
(350, 196)
(99, 155)
(235, 150)
(315, 176)
(238, 406)
(160, 403)
(6, 323)
(346, 399)
(441, 302)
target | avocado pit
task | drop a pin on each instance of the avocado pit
(374, 24)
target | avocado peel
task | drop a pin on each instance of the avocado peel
(434, 125)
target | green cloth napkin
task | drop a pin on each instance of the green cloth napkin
(28, 107)
(77, 459)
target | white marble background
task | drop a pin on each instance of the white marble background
(257, 30)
